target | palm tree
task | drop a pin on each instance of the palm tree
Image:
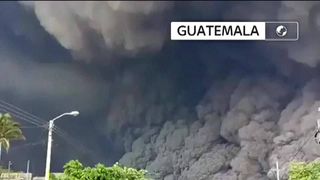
(9, 131)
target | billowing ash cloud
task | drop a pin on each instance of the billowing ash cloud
(25, 50)
(308, 16)
(59, 83)
(213, 110)
(90, 29)
(87, 27)
(39, 76)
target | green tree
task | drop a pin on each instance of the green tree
(9, 131)
(304, 171)
(74, 170)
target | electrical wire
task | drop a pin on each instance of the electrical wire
(40, 122)
(299, 149)
(20, 116)
(30, 127)
(27, 116)
(35, 120)
(41, 142)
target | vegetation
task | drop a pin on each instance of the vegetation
(55, 177)
(304, 171)
(9, 131)
(74, 170)
(3, 170)
(7, 176)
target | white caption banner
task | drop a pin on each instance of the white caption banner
(218, 30)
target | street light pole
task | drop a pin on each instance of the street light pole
(278, 171)
(48, 160)
(28, 174)
(51, 125)
(0, 152)
(9, 166)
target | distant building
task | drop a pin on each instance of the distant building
(23, 176)
(42, 178)
(16, 176)
(38, 178)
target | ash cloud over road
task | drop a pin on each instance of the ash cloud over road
(183, 110)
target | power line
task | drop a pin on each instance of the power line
(21, 110)
(38, 121)
(30, 127)
(35, 120)
(28, 116)
(299, 149)
(41, 142)
(20, 116)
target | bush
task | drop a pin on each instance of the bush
(74, 170)
(304, 171)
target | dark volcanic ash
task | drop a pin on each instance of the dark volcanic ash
(182, 110)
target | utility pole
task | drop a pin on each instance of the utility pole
(278, 171)
(51, 125)
(316, 138)
(9, 166)
(28, 165)
(48, 161)
(0, 151)
(318, 121)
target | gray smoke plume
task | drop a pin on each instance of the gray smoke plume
(112, 25)
(218, 110)
(307, 14)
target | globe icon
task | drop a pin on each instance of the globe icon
(281, 31)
